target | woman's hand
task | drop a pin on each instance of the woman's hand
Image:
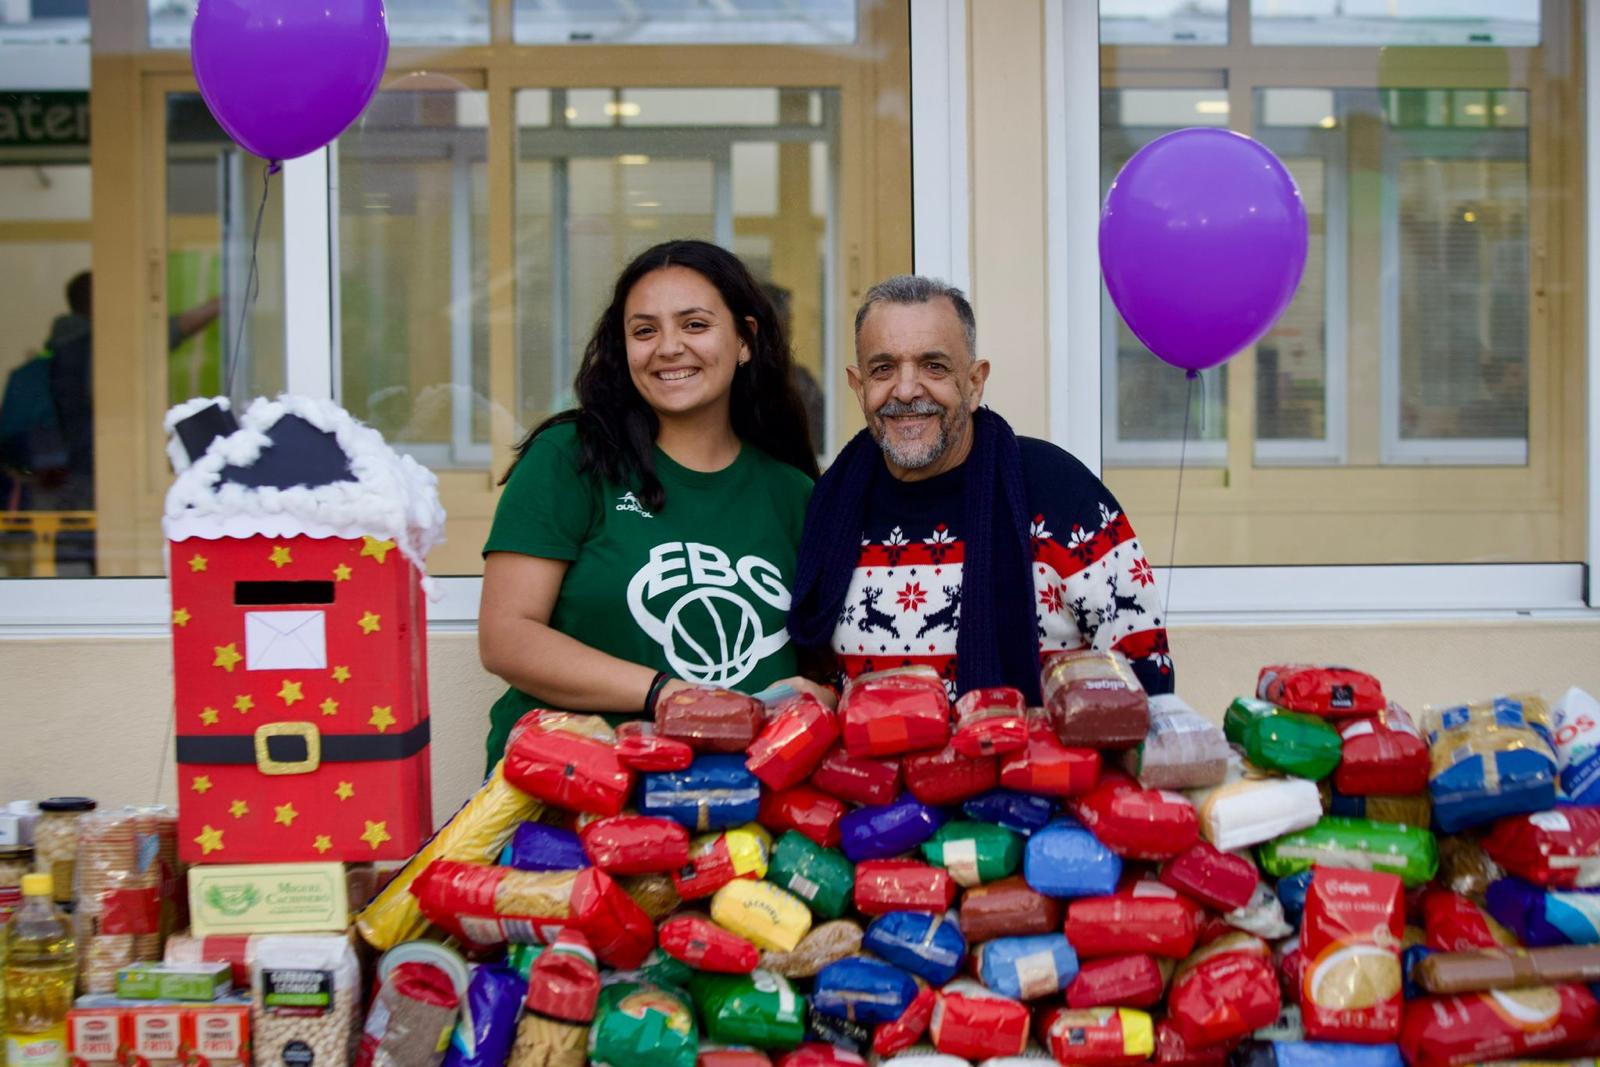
(824, 694)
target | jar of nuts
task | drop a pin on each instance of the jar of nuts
(15, 861)
(55, 840)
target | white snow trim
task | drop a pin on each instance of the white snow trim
(177, 455)
(392, 497)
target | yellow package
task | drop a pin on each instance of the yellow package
(474, 834)
(748, 849)
(770, 918)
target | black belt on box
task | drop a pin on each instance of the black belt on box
(299, 747)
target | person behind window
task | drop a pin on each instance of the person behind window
(646, 540)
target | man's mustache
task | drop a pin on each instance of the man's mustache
(916, 407)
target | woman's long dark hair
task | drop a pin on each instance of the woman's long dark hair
(617, 428)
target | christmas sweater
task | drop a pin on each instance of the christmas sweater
(1093, 586)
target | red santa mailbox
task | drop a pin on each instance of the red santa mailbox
(295, 542)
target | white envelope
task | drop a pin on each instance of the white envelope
(285, 640)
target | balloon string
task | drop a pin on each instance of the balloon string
(252, 284)
(1183, 450)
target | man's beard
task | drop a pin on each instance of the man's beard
(925, 452)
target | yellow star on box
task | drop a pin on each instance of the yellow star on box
(341, 674)
(208, 717)
(330, 706)
(201, 784)
(238, 809)
(341, 573)
(323, 843)
(369, 622)
(378, 550)
(382, 717)
(375, 834)
(197, 563)
(345, 791)
(290, 692)
(242, 703)
(285, 814)
(227, 656)
(181, 617)
(280, 556)
(209, 839)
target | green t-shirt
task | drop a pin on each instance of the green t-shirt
(698, 588)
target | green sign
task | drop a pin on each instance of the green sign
(37, 119)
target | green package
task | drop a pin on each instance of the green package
(759, 1009)
(1359, 844)
(520, 957)
(821, 877)
(636, 1022)
(662, 969)
(1274, 739)
(974, 852)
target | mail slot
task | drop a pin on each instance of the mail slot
(252, 593)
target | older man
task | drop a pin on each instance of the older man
(939, 537)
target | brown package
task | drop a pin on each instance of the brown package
(1094, 700)
(411, 1019)
(1465, 868)
(655, 894)
(1007, 908)
(823, 945)
(1507, 968)
(710, 720)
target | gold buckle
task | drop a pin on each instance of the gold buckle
(308, 730)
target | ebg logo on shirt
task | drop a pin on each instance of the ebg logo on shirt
(700, 606)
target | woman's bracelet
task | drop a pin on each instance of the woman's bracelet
(658, 683)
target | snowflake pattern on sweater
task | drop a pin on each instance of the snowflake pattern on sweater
(1093, 585)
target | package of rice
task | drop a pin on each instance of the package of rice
(1138, 823)
(1359, 844)
(1021, 813)
(1182, 750)
(1577, 721)
(887, 713)
(793, 742)
(1541, 917)
(974, 1023)
(1066, 860)
(708, 719)
(1559, 848)
(1131, 981)
(1289, 742)
(1044, 767)
(715, 793)
(974, 852)
(569, 761)
(928, 946)
(863, 990)
(1095, 700)
(1464, 1028)
(821, 877)
(759, 1009)
(810, 811)
(881, 832)
(1251, 807)
(946, 776)
(1008, 907)
(1332, 692)
(305, 995)
(717, 859)
(1382, 753)
(1099, 1035)
(1490, 759)
(488, 1026)
(1225, 991)
(1142, 916)
(823, 945)
(990, 722)
(1026, 968)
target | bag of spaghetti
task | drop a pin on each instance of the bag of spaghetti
(563, 989)
(1350, 990)
(1490, 759)
(569, 761)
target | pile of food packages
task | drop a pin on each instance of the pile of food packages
(1108, 879)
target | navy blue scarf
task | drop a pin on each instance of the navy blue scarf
(998, 643)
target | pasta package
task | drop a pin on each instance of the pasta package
(1332, 692)
(1137, 823)
(1351, 987)
(881, 832)
(888, 713)
(1359, 844)
(825, 943)
(1131, 981)
(1007, 907)
(1183, 750)
(1026, 968)
(488, 1026)
(1095, 700)
(1465, 1028)
(534, 846)
(1112, 1036)
(1021, 813)
(1044, 767)
(717, 859)
(1220, 880)
(1252, 807)
(715, 793)
(1383, 754)
(1559, 849)
(973, 1023)
(1479, 970)
(1412, 809)
(821, 877)
(637, 1023)
(928, 946)
(1289, 742)
(475, 833)
(569, 761)
(858, 779)
(635, 844)
(1577, 722)
(411, 1019)
(1489, 760)
(1173, 1051)
(974, 852)
(770, 918)
(705, 946)
(1143, 916)
(1455, 924)
(805, 810)
(902, 885)
(906, 1029)
(1224, 992)
(946, 777)
(709, 719)
(990, 722)
(759, 1009)
(793, 742)
(1066, 860)
(863, 990)
(1540, 917)
(641, 747)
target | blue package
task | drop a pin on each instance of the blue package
(1408, 962)
(1314, 1054)
(1066, 860)
(877, 833)
(929, 946)
(1292, 895)
(714, 793)
(537, 847)
(840, 1033)
(1542, 918)
(1026, 968)
(862, 990)
(1467, 792)
(488, 1027)
(1021, 813)
(1578, 745)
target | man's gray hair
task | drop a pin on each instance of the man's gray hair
(916, 289)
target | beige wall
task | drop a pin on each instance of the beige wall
(92, 716)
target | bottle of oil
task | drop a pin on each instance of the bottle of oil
(41, 968)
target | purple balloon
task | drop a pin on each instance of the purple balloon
(285, 77)
(1202, 243)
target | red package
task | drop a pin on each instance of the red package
(1117, 981)
(794, 741)
(902, 885)
(710, 867)
(564, 982)
(427, 991)
(710, 719)
(1173, 1051)
(635, 844)
(1047, 767)
(897, 1036)
(814, 1054)
(1141, 916)
(810, 811)
(705, 946)
(1334, 692)
(1456, 924)
(1351, 990)
(971, 1022)
(946, 777)
(551, 761)
(1106, 1037)
(1559, 849)
(886, 713)
(858, 779)
(1007, 908)
(641, 748)
(1224, 992)
(1291, 969)
(1383, 755)
(741, 1057)
(1138, 823)
(1502, 1024)
(990, 722)
(1219, 880)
